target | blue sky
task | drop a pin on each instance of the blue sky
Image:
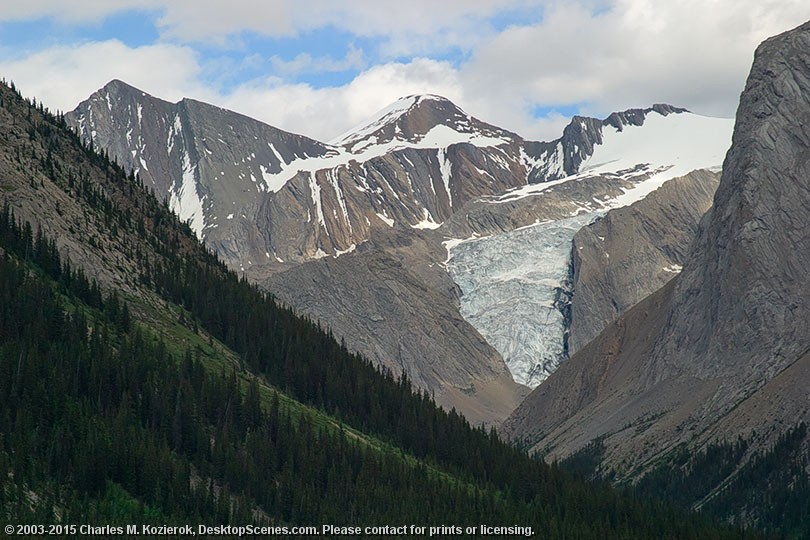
(319, 67)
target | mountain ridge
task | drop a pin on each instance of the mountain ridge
(213, 185)
(425, 175)
(411, 118)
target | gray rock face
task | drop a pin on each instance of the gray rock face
(261, 196)
(207, 161)
(212, 165)
(564, 156)
(719, 351)
(289, 212)
(633, 251)
(587, 193)
(748, 290)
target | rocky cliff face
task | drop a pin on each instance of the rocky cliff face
(263, 197)
(746, 290)
(719, 351)
(633, 251)
(210, 163)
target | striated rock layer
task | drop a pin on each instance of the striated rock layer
(634, 251)
(401, 311)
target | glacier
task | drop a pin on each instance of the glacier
(516, 285)
(515, 290)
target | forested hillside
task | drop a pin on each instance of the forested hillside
(142, 382)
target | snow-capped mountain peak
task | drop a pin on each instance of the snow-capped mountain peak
(423, 120)
(386, 116)
(414, 165)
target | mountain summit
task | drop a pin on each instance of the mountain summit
(226, 173)
(416, 163)
(207, 161)
(425, 120)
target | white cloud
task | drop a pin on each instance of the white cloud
(197, 20)
(63, 76)
(306, 63)
(325, 113)
(693, 53)
(630, 53)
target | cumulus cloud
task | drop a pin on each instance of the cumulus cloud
(599, 56)
(62, 76)
(306, 63)
(693, 53)
(622, 54)
(326, 113)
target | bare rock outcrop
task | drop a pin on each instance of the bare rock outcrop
(634, 251)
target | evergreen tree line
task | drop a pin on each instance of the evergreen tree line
(100, 423)
(88, 408)
(19, 238)
(770, 491)
(767, 489)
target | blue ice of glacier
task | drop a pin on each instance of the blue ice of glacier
(515, 287)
